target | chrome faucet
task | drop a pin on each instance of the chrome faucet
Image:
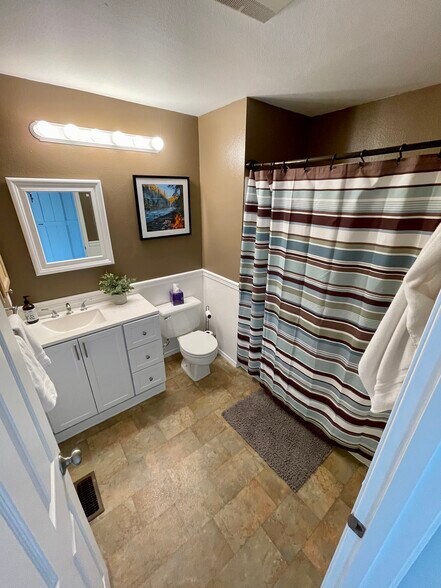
(83, 305)
(54, 313)
(68, 308)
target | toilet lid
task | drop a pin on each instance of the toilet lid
(198, 343)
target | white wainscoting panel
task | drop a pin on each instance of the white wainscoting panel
(222, 296)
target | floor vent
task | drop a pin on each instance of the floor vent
(89, 495)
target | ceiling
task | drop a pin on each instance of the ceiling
(193, 56)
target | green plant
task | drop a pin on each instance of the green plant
(113, 284)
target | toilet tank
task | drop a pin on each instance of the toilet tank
(181, 319)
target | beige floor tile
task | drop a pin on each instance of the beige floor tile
(179, 381)
(208, 457)
(177, 422)
(217, 379)
(171, 453)
(223, 364)
(320, 491)
(209, 427)
(231, 440)
(108, 461)
(242, 384)
(196, 562)
(113, 530)
(321, 545)
(156, 496)
(234, 474)
(341, 464)
(258, 564)
(121, 430)
(172, 365)
(273, 485)
(352, 488)
(209, 402)
(146, 440)
(194, 512)
(290, 525)
(147, 550)
(240, 518)
(300, 574)
(123, 484)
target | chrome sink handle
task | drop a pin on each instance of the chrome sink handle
(68, 308)
(75, 458)
(83, 305)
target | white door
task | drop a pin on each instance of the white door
(107, 365)
(75, 401)
(44, 535)
(400, 501)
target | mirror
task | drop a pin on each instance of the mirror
(64, 223)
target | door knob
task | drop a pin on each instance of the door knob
(75, 458)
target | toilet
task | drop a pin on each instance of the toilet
(198, 348)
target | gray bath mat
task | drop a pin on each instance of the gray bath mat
(292, 450)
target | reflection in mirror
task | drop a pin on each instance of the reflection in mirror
(66, 224)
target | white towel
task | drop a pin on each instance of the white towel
(387, 358)
(22, 330)
(43, 384)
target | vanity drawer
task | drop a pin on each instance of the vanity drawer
(141, 332)
(148, 378)
(145, 356)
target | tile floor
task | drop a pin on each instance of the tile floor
(189, 503)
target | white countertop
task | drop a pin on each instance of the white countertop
(136, 307)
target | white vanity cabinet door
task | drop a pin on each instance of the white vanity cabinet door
(107, 365)
(75, 401)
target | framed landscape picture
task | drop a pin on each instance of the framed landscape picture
(163, 205)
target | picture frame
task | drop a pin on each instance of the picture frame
(163, 206)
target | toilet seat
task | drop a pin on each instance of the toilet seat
(197, 344)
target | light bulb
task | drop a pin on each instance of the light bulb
(43, 128)
(120, 139)
(157, 143)
(72, 132)
(97, 136)
(141, 142)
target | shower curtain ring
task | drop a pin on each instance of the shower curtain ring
(400, 152)
(285, 168)
(305, 167)
(362, 161)
(332, 161)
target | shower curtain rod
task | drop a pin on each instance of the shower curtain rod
(331, 159)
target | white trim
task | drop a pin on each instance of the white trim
(19, 187)
(220, 279)
(228, 358)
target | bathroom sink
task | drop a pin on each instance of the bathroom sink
(72, 322)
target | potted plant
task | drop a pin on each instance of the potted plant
(116, 286)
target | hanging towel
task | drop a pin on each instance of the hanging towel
(387, 358)
(43, 384)
(23, 331)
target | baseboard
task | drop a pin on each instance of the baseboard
(230, 360)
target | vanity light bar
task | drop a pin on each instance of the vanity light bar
(72, 135)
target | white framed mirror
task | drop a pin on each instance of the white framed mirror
(64, 223)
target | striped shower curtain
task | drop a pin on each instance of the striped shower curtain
(323, 254)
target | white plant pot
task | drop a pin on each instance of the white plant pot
(119, 298)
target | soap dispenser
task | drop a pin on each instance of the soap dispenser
(29, 311)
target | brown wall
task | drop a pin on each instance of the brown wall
(21, 155)
(274, 134)
(407, 118)
(222, 160)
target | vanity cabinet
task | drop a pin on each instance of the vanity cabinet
(75, 402)
(105, 357)
(105, 372)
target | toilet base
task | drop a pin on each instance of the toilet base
(195, 372)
